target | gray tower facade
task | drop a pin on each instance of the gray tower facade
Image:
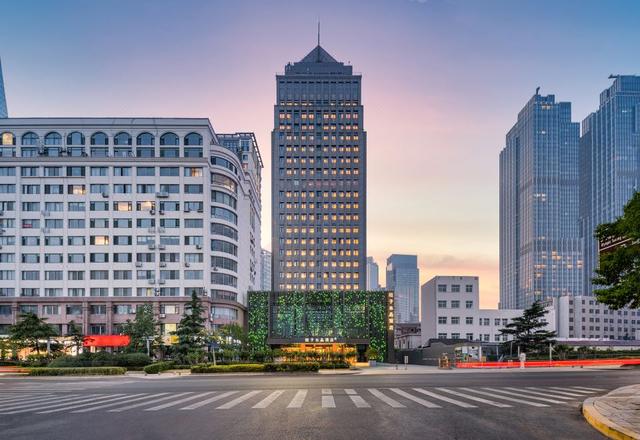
(4, 113)
(318, 177)
(541, 253)
(403, 278)
(609, 161)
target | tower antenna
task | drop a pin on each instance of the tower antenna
(318, 32)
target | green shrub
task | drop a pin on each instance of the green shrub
(132, 360)
(332, 365)
(158, 367)
(87, 371)
(291, 367)
(102, 359)
(233, 368)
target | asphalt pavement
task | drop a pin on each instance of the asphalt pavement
(474, 405)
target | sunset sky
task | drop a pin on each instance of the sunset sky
(443, 81)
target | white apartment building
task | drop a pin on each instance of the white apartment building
(99, 215)
(450, 307)
(583, 317)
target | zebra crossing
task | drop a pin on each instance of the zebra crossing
(20, 402)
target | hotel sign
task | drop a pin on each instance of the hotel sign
(612, 243)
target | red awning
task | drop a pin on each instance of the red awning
(106, 341)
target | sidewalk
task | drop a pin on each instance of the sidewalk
(617, 414)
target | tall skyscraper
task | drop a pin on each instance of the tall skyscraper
(372, 274)
(540, 245)
(265, 279)
(403, 278)
(609, 161)
(319, 178)
(4, 113)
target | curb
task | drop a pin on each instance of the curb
(605, 425)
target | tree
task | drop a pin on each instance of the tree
(30, 330)
(618, 272)
(528, 331)
(144, 326)
(74, 331)
(191, 333)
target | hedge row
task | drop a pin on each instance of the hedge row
(86, 371)
(102, 359)
(336, 365)
(233, 368)
(158, 367)
(287, 367)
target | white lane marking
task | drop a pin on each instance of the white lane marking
(39, 405)
(414, 398)
(327, 399)
(445, 398)
(31, 400)
(572, 390)
(386, 399)
(146, 402)
(509, 399)
(590, 389)
(111, 398)
(526, 392)
(238, 400)
(475, 398)
(107, 405)
(357, 400)
(521, 394)
(549, 391)
(264, 403)
(298, 399)
(209, 400)
(12, 398)
(177, 402)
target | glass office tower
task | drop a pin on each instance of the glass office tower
(609, 161)
(541, 253)
(403, 278)
(318, 177)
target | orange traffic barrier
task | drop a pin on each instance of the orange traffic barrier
(532, 364)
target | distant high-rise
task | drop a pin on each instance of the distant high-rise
(265, 279)
(609, 161)
(540, 246)
(4, 113)
(318, 177)
(372, 274)
(403, 278)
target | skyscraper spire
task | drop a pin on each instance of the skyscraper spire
(3, 99)
(318, 32)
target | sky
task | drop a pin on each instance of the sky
(443, 81)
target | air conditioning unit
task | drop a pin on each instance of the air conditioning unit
(152, 211)
(162, 315)
(138, 263)
(63, 150)
(152, 246)
(214, 268)
(198, 246)
(161, 212)
(161, 230)
(41, 151)
(186, 264)
(151, 230)
(162, 194)
(200, 210)
(187, 210)
(0, 246)
(163, 264)
(1, 213)
(162, 247)
(105, 194)
(46, 213)
(152, 281)
(162, 282)
(46, 230)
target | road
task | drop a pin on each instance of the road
(474, 405)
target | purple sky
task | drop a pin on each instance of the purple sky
(443, 82)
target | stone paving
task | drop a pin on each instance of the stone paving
(617, 414)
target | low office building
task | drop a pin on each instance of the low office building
(451, 310)
(100, 215)
(407, 336)
(322, 321)
(584, 318)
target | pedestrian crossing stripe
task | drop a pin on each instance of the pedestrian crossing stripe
(435, 398)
